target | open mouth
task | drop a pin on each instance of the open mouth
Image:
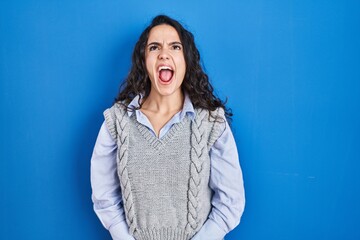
(165, 73)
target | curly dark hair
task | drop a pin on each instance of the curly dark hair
(196, 82)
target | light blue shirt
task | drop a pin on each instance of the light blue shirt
(226, 180)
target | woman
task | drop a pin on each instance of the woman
(165, 164)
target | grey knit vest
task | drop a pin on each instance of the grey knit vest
(164, 182)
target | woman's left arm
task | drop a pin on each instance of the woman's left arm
(226, 181)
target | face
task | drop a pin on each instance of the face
(165, 62)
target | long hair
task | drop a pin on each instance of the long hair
(196, 82)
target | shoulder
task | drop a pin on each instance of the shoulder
(214, 122)
(217, 115)
(115, 110)
(219, 124)
(114, 114)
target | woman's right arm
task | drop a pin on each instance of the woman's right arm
(106, 192)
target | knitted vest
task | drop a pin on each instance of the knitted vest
(164, 182)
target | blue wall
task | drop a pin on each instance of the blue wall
(290, 70)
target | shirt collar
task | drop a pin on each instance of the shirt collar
(188, 108)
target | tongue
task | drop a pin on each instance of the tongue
(166, 75)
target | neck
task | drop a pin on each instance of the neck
(164, 104)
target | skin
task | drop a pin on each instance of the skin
(164, 48)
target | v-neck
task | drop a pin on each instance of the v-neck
(155, 141)
(188, 111)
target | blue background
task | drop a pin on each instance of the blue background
(290, 70)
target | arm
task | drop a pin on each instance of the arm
(227, 183)
(106, 192)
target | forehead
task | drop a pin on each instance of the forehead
(162, 33)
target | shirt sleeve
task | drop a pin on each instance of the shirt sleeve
(106, 192)
(226, 181)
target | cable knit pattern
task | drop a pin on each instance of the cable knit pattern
(164, 182)
(198, 150)
(122, 136)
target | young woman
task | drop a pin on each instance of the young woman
(165, 164)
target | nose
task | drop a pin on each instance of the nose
(164, 55)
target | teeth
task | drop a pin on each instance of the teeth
(164, 68)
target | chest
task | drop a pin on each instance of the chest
(172, 153)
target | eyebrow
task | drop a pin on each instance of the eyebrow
(159, 44)
(173, 43)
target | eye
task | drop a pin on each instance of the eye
(176, 47)
(153, 47)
